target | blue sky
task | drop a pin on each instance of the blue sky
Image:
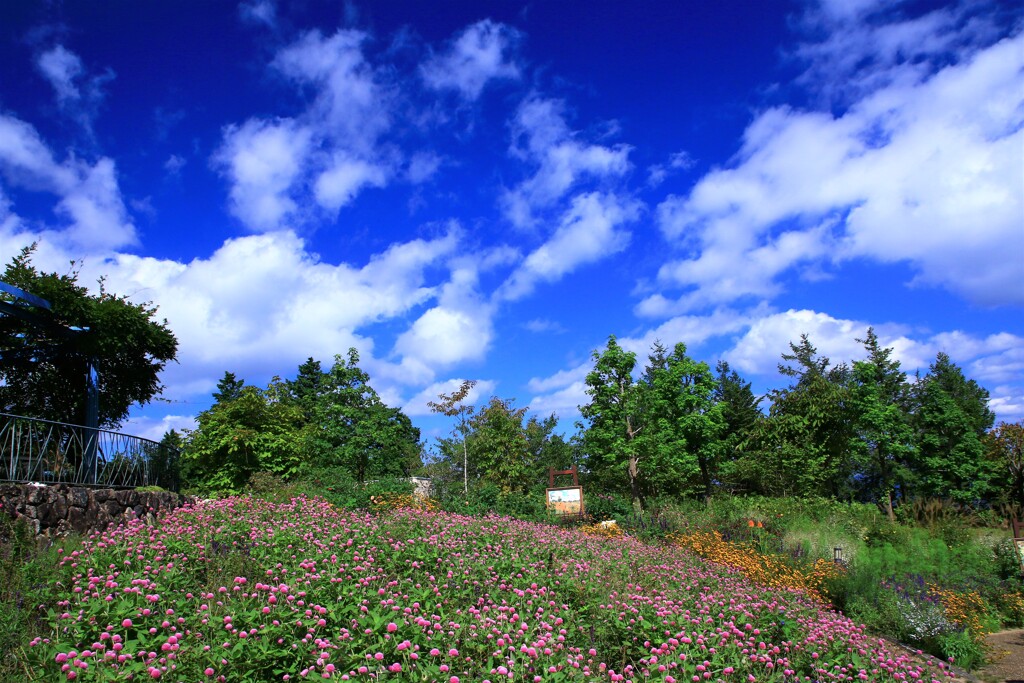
(467, 190)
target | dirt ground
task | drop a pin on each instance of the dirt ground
(1007, 658)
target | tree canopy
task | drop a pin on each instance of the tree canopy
(44, 361)
(319, 420)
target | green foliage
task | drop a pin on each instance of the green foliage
(741, 418)
(804, 446)
(498, 446)
(950, 420)
(256, 432)
(28, 572)
(885, 443)
(658, 435)
(684, 425)
(320, 420)
(1007, 561)
(615, 417)
(347, 424)
(44, 367)
(606, 506)
(1005, 450)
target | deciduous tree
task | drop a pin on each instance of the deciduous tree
(454, 405)
(615, 417)
(44, 363)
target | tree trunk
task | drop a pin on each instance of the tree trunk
(634, 484)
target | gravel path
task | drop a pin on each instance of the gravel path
(1008, 658)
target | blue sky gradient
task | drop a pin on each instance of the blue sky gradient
(466, 190)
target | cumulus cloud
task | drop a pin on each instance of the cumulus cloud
(483, 52)
(679, 161)
(542, 138)
(259, 12)
(88, 195)
(991, 359)
(459, 328)
(226, 308)
(328, 153)
(263, 160)
(591, 229)
(61, 67)
(342, 181)
(924, 170)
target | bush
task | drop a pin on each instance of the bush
(601, 507)
(1007, 561)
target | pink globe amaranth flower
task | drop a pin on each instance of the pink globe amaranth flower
(453, 679)
(127, 623)
(392, 627)
(209, 671)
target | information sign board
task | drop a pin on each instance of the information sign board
(567, 500)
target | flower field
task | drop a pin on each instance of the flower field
(241, 589)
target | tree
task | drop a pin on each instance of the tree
(885, 438)
(803, 447)
(44, 364)
(740, 415)
(255, 432)
(547, 449)
(1005, 446)
(229, 388)
(615, 417)
(347, 424)
(684, 423)
(950, 420)
(498, 446)
(451, 405)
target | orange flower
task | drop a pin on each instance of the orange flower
(750, 522)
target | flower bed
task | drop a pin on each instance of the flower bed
(245, 590)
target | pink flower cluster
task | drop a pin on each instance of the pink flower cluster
(242, 589)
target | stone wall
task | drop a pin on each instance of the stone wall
(54, 510)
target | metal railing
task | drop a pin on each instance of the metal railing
(35, 450)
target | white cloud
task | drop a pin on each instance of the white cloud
(154, 428)
(61, 67)
(590, 230)
(263, 160)
(459, 328)
(564, 402)
(423, 166)
(1007, 402)
(541, 137)
(480, 54)
(657, 173)
(351, 108)
(265, 296)
(78, 95)
(88, 196)
(995, 358)
(259, 12)
(542, 325)
(915, 172)
(328, 153)
(174, 164)
(343, 180)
